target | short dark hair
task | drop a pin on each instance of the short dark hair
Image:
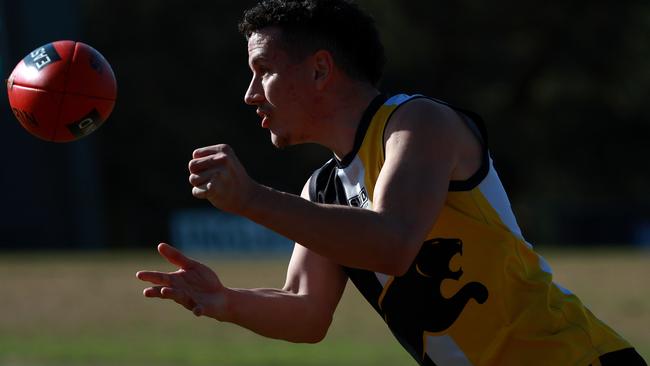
(338, 26)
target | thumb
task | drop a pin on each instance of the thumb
(174, 256)
(201, 191)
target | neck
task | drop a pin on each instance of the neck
(348, 106)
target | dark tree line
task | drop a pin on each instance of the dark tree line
(563, 87)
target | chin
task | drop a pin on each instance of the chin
(279, 141)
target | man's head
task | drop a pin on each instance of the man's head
(307, 56)
(338, 26)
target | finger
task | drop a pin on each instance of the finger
(174, 294)
(201, 178)
(204, 151)
(174, 256)
(178, 296)
(155, 277)
(209, 150)
(200, 192)
(152, 291)
(197, 164)
(197, 310)
(165, 292)
(200, 164)
(170, 293)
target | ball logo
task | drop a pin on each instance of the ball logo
(42, 57)
(86, 125)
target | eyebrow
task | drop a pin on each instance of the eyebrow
(257, 59)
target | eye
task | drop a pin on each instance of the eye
(263, 70)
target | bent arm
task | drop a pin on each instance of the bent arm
(422, 152)
(301, 311)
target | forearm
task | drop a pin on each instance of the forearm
(344, 234)
(276, 313)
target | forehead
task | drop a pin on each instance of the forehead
(264, 41)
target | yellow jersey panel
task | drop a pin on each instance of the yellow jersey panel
(476, 293)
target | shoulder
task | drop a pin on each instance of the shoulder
(431, 124)
(426, 129)
(424, 115)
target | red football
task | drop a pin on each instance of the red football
(62, 91)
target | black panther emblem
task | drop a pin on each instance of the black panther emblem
(413, 303)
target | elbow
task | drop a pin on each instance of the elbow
(399, 261)
(401, 270)
(398, 266)
(395, 265)
(311, 321)
(319, 327)
(314, 338)
(314, 332)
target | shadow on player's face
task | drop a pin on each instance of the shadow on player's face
(280, 88)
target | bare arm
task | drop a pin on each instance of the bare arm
(422, 155)
(299, 312)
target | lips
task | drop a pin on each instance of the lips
(265, 118)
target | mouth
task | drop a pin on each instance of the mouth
(265, 118)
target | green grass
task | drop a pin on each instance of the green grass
(81, 309)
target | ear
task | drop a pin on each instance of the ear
(323, 68)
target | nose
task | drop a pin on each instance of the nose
(255, 93)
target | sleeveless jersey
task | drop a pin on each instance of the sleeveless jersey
(476, 293)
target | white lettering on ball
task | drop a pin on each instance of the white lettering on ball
(85, 123)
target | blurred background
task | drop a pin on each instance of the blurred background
(562, 86)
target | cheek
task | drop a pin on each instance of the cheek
(278, 91)
(317, 100)
(292, 92)
(267, 87)
(298, 86)
(288, 91)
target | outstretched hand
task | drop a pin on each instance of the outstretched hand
(193, 285)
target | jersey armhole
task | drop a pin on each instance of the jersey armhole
(312, 185)
(315, 181)
(476, 125)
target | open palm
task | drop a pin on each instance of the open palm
(193, 285)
